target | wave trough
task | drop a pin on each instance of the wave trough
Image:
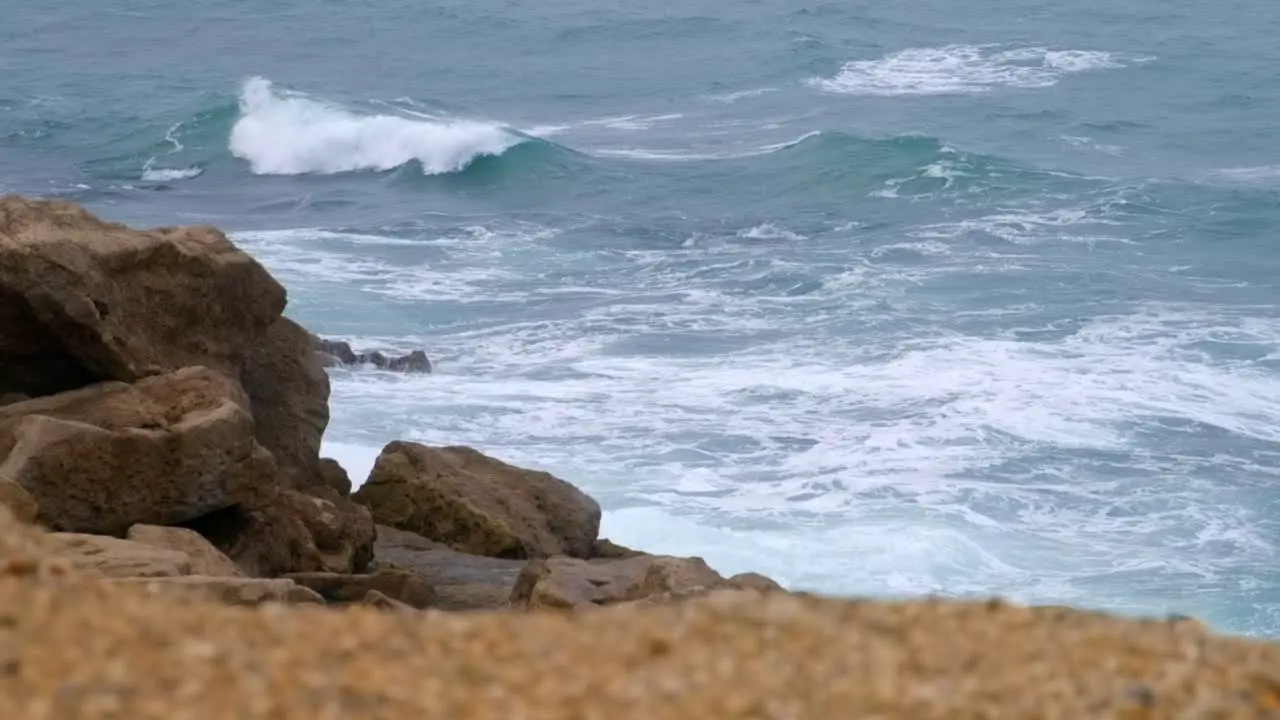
(290, 134)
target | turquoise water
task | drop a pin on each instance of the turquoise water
(940, 297)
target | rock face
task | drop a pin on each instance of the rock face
(205, 558)
(479, 505)
(164, 450)
(336, 353)
(115, 558)
(569, 583)
(82, 301)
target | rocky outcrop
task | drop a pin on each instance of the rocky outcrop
(83, 301)
(570, 583)
(116, 558)
(479, 505)
(402, 586)
(337, 353)
(164, 450)
(205, 558)
(227, 590)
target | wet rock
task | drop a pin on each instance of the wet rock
(337, 353)
(479, 505)
(461, 581)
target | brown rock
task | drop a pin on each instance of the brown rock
(334, 476)
(755, 581)
(165, 450)
(564, 582)
(461, 581)
(343, 531)
(289, 390)
(83, 301)
(18, 501)
(375, 599)
(479, 505)
(228, 590)
(116, 558)
(605, 548)
(205, 558)
(401, 585)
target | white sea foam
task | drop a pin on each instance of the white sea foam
(289, 134)
(768, 231)
(961, 69)
(155, 174)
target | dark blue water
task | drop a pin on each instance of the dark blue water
(962, 298)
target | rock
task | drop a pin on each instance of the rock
(205, 558)
(375, 599)
(162, 451)
(605, 548)
(228, 590)
(18, 501)
(334, 476)
(461, 582)
(336, 353)
(116, 558)
(479, 505)
(13, 397)
(83, 301)
(570, 583)
(755, 581)
(292, 532)
(401, 585)
(289, 391)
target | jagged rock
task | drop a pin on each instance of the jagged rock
(570, 583)
(479, 505)
(162, 451)
(232, 591)
(205, 558)
(334, 476)
(400, 585)
(289, 390)
(336, 353)
(461, 582)
(116, 558)
(83, 301)
(18, 501)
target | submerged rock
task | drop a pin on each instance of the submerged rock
(334, 353)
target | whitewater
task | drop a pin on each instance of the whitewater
(957, 299)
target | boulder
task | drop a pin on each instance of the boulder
(84, 301)
(162, 451)
(229, 590)
(116, 558)
(479, 505)
(400, 585)
(18, 501)
(755, 581)
(205, 558)
(570, 583)
(461, 582)
(289, 392)
(334, 476)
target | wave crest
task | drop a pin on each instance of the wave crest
(288, 134)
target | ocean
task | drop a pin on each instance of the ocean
(954, 298)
